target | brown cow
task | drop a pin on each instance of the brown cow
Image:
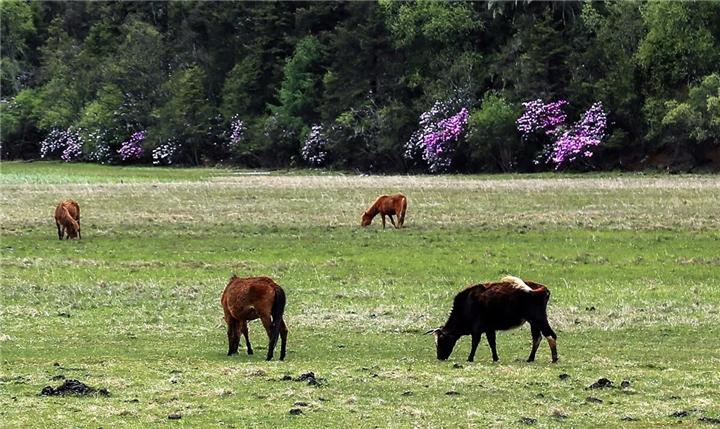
(254, 298)
(387, 205)
(67, 219)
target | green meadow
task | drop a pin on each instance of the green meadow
(633, 263)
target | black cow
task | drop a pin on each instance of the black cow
(490, 307)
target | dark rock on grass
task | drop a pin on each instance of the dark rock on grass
(73, 387)
(295, 411)
(286, 378)
(300, 404)
(457, 366)
(625, 384)
(681, 413)
(452, 393)
(310, 378)
(174, 416)
(563, 376)
(602, 383)
(57, 377)
(527, 420)
(711, 420)
(407, 393)
(593, 400)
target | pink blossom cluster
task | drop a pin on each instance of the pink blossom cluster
(433, 140)
(581, 138)
(313, 150)
(132, 148)
(69, 141)
(539, 116)
(437, 143)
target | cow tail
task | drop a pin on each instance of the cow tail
(278, 307)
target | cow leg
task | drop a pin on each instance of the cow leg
(382, 215)
(475, 341)
(243, 329)
(491, 341)
(536, 340)
(272, 332)
(392, 221)
(60, 232)
(551, 339)
(78, 221)
(232, 332)
(283, 339)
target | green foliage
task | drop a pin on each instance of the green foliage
(186, 114)
(286, 66)
(493, 142)
(16, 27)
(442, 22)
(301, 85)
(685, 125)
(679, 46)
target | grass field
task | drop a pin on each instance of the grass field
(633, 263)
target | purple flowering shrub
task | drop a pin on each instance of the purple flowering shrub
(132, 148)
(433, 140)
(569, 143)
(314, 150)
(69, 141)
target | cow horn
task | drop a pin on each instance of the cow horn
(432, 331)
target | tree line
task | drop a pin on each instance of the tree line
(370, 86)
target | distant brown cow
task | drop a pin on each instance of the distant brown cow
(387, 205)
(67, 219)
(249, 299)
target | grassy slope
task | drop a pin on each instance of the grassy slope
(632, 263)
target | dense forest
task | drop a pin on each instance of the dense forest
(367, 86)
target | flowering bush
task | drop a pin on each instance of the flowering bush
(433, 140)
(237, 131)
(570, 143)
(165, 153)
(578, 141)
(314, 149)
(540, 116)
(99, 150)
(132, 148)
(69, 141)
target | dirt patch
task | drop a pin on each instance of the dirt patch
(73, 387)
(679, 414)
(593, 400)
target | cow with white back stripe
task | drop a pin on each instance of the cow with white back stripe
(498, 306)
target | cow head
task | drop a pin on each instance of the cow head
(444, 342)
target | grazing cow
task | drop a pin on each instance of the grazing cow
(249, 299)
(490, 307)
(67, 219)
(387, 205)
